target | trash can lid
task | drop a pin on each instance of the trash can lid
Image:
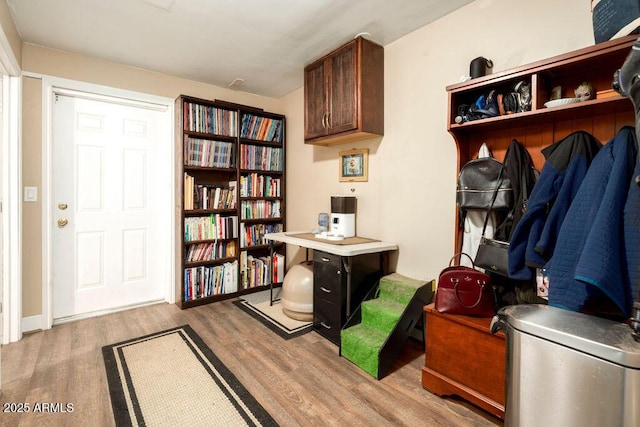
(593, 335)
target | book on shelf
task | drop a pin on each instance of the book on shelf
(231, 277)
(261, 128)
(208, 119)
(209, 196)
(206, 281)
(261, 158)
(211, 251)
(211, 227)
(189, 183)
(208, 153)
(257, 209)
(258, 185)
(278, 268)
(257, 271)
(253, 234)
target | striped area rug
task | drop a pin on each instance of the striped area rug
(257, 305)
(171, 378)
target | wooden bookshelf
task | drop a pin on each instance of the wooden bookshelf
(231, 159)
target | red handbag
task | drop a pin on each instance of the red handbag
(464, 290)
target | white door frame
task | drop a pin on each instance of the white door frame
(11, 193)
(51, 86)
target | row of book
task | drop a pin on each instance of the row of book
(259, 209)
(261, 128)
(256, 271)
(207, 196)
(208, 153)
(211, 227)
(261, 158)
(212, 251)
(253, 234)
(207, 119)
(206, 281)
(257, 185)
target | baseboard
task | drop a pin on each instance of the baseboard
(31, 323)
(73, 318)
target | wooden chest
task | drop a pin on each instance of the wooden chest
(463, 358)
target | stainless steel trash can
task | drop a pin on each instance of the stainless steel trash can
(568, 369)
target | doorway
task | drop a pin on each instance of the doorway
(110, 206)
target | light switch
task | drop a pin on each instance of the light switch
(30, 194)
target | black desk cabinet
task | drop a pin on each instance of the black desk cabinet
(340, 283)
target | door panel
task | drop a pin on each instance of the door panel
(107, 233)
(343, 113)
(89, 165)
(134, 255)
(90, 260)
(315, 96)
(135, 170)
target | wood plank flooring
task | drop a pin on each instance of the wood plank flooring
(300, 382)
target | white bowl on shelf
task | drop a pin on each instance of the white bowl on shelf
(561, 101)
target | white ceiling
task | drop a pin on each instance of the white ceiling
(265, 42)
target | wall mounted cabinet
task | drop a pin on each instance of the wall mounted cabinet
(344, 94)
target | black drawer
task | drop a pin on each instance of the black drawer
(325, 259)
(327, 277)
(326, 289)
(327, 272)
(327, 320)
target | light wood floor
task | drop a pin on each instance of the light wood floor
(301, 381)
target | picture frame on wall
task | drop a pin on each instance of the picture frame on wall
(354, 165)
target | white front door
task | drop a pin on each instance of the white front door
(109, 190)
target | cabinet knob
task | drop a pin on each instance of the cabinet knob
(324, 325)
(325, 259)
(325, 290)
(62, 222)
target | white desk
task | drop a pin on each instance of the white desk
(289, 237)
(346, 268)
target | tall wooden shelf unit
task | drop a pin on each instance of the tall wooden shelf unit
(232, 161)
(603, 117)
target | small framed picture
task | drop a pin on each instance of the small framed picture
(354, 165)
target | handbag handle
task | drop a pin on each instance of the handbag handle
(455, 288)
(459, 254)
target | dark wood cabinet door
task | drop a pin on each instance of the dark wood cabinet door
(343, 89)
(315, 95)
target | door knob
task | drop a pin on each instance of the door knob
(62, 222)
(62, 206)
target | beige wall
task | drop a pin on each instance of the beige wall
(10, 31)
(32, 211)
(410, 196)
(56, 63)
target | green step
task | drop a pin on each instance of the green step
(382, 314)
(399, 288)
(361, 344)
